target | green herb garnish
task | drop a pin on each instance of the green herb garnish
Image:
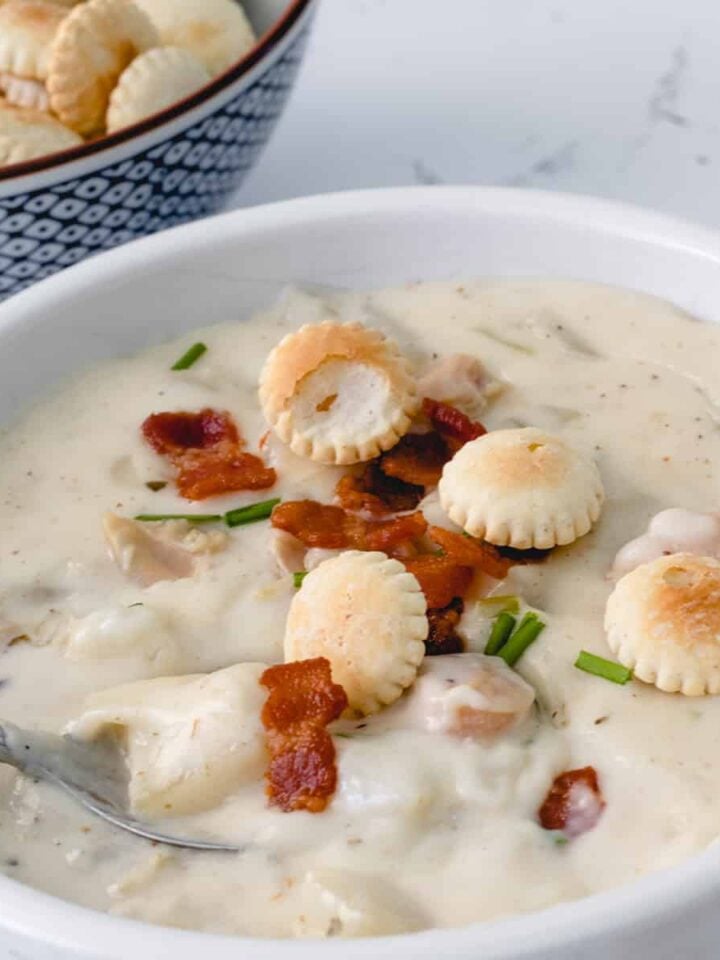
(529, 630)
(189, 357)
(298, 578)
(501, 630)
(252, 513)
(233, 518)
(156, 485)
(600, 667)
(192, 517)
(559, 838)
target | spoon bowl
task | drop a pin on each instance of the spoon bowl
(94, 774)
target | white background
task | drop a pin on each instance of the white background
(613, 97)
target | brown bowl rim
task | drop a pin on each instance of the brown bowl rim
(264, 45)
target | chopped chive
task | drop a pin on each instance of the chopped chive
(600, 667)
(298, 578)
(192, 517)
(559, 838)
(189, 357)
(156, 485)
(501, 604)
(252, 513)
(138, 604)
(529, 630)
(502, 628)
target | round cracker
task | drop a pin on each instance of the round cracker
(217, 32)
(27, 29)
(154, 80)
(522, 488)
(23, 92)
(663, 622)
(93, 46)
(26, 134)
(367, 615)
(337, 393)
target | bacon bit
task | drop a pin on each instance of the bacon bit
(302, 774)
(418, 458)
(206, 449)
(447, 577)
(441, 578)
(452, 422)
(392, 533)
(472, 553)
(209, 473)
(376, 493)
(172, 434)
(321, 525)
(442, 636)
(315, 524)
(574, 802)
(355, 495)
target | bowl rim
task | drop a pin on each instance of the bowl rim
(263, 46)
(633, 909)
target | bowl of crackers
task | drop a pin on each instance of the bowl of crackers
(119, 118)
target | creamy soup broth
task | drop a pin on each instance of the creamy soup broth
(420, 820)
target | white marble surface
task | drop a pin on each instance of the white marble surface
(619, 98)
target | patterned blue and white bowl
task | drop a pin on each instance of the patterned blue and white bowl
(175, 166)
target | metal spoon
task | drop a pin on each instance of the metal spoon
(94, 774)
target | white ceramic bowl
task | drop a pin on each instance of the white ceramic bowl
(222, 269)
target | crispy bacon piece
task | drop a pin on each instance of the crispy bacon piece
(447, 577)
(389, 534)
(441, 578)
(206, 449)
(315, 524)
(442, 635)
(321, 525)
(472, 553)
(574, 802)
(172, 434)
(303, 699)
(417, 458)
(208, 473)
(452, 422)
(374, 492)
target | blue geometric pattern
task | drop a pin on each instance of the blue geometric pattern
(180, 179)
